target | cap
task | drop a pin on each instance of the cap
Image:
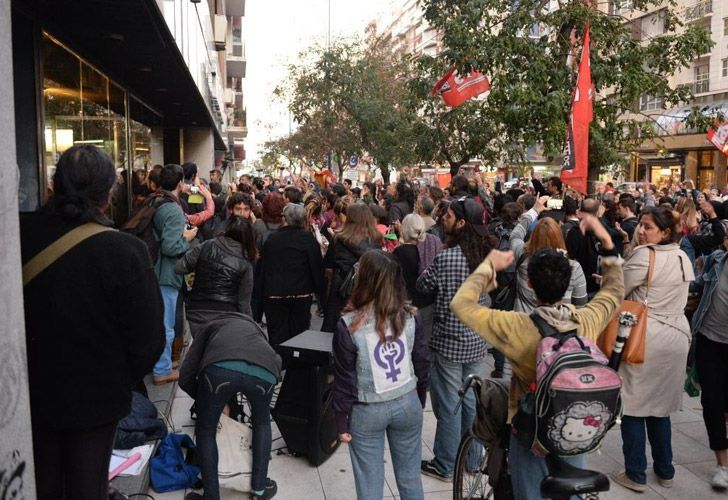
(470, 210)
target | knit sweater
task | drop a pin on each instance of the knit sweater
(515, 334)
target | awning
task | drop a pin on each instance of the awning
(671, 121)
(130, 41)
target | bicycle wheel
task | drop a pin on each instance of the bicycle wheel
(470, 479)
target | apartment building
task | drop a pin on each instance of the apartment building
(681, 153)
(149, 81)
(409, 31)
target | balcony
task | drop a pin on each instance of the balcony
(237, 124)
(235, 66)
(699, 10)
(235, 8)
(699, 86)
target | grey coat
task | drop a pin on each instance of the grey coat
(654, 388)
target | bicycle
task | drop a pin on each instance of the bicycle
(471, 478)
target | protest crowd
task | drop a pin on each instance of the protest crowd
(407, 268)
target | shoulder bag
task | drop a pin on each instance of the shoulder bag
(634, 349)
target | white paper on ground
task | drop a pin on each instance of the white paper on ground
(119, 456)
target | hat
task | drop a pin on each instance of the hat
(471, 211)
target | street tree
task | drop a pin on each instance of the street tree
(349, 99)
(522, 46)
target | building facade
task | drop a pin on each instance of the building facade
(149, 81)
(682, 153)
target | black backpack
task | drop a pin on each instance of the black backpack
(141, 224)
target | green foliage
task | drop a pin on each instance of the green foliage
(350, 99)
(523, 47)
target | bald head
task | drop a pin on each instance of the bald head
(590, 206)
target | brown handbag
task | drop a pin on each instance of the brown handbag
(634, 349)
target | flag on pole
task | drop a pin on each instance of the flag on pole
(455, 89)
(719, 137)
(576, 157)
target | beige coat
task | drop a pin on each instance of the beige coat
(654, 389)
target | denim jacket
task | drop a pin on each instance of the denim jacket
(707, 281)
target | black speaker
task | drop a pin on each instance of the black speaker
(304, 414)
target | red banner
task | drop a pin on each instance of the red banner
(455, 90)
(576, 158)
(719, 137)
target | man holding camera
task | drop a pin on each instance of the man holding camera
(175, 234)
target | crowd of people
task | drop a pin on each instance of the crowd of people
(406, 276)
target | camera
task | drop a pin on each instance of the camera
(194, 189)
(554, 204)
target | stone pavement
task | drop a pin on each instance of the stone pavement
(334, 480)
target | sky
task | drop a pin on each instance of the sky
(275, 32)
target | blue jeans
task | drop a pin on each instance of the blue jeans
(527, 470)
(659, 432)
(446, 377)
(169, 298)
(216, 387)
(401, 419)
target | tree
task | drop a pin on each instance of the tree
(522, 45)
(351, 99)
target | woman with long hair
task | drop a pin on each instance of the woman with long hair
(689, 217)
(651, 391)
(546, 234)
(223, 270)
(381, 376)
(357, 235)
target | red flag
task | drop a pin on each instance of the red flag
(455, 90)
(576, 158)
(719, 137)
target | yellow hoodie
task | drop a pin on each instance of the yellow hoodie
(516, 336)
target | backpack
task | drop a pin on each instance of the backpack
(504, 298)
(576, 399)
(141, 224)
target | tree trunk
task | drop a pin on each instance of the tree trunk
(384, 169)
(455, 166)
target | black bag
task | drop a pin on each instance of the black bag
(504, 299)
(347, 286)
(141, 224)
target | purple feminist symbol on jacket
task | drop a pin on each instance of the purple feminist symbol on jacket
(388, 355)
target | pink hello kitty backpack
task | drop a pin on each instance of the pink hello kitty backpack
(576, 399)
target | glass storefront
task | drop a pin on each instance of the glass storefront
(663, 176)
(83, 106)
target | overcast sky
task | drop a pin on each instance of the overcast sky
(275, 32)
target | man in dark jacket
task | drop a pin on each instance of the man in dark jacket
(292, 273)
(93, 321)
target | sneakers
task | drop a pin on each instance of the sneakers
(428, 468)
(623, 479)
(665, 483)
(172, 376)
(720, 479)
(269, 492)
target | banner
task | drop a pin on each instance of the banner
(576, 155)
(719, 137)
(455, 89)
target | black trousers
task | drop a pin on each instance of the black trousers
(712, 362)
(73, 465)
(286, 318)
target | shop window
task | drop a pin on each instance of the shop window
(706, 177)
(665, 176)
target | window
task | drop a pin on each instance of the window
(622, 6)
(725, 26)
(724, 71)
(650, 102)
(702, 79)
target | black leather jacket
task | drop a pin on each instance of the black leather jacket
(223, 277)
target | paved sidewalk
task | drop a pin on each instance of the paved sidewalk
(334, 480)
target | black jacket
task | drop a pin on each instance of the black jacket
(233, 336)
(94, 325)
(223, 277)
(291, 263)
